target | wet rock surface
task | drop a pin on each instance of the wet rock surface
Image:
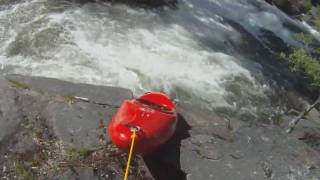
(47, 133)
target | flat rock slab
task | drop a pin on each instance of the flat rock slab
(203, 147)
(256, 153)
(77, 123)
(207, 122)
(100, 94)
(81, 124)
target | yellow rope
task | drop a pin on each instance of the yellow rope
(133, 137)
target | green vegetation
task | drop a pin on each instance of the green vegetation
(302, 61)
(306, 59)
(77, 154)
(18, 84)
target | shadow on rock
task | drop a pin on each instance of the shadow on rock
(165, 163)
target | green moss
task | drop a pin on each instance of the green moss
(18, 84)
(77, 154)
(22, 172)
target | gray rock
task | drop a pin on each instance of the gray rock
(25, 145)
(257, 153)
(314, 115)
(207, 122)
(75, 123)
(307, 130)
(100, 94)
(78, 174)
(10, 117)
(79, 124)
(205, 146)
(52, 122)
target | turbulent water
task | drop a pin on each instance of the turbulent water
(206, 52)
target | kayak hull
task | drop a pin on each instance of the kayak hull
(155, 117)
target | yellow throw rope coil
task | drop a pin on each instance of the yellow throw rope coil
(133, 137)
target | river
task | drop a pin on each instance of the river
(214, 54)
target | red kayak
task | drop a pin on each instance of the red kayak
(153, 115)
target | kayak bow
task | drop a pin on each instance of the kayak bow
(152, 115)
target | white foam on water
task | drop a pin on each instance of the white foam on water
(255, 15)
(312, 30)
(156, 58)
(139, 49)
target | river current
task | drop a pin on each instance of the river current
(214, 54)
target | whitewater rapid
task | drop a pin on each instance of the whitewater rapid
(190, 52)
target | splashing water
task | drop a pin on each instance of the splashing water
(190, 52)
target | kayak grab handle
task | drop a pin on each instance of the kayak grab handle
(155, 106)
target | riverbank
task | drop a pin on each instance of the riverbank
(46, 132)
